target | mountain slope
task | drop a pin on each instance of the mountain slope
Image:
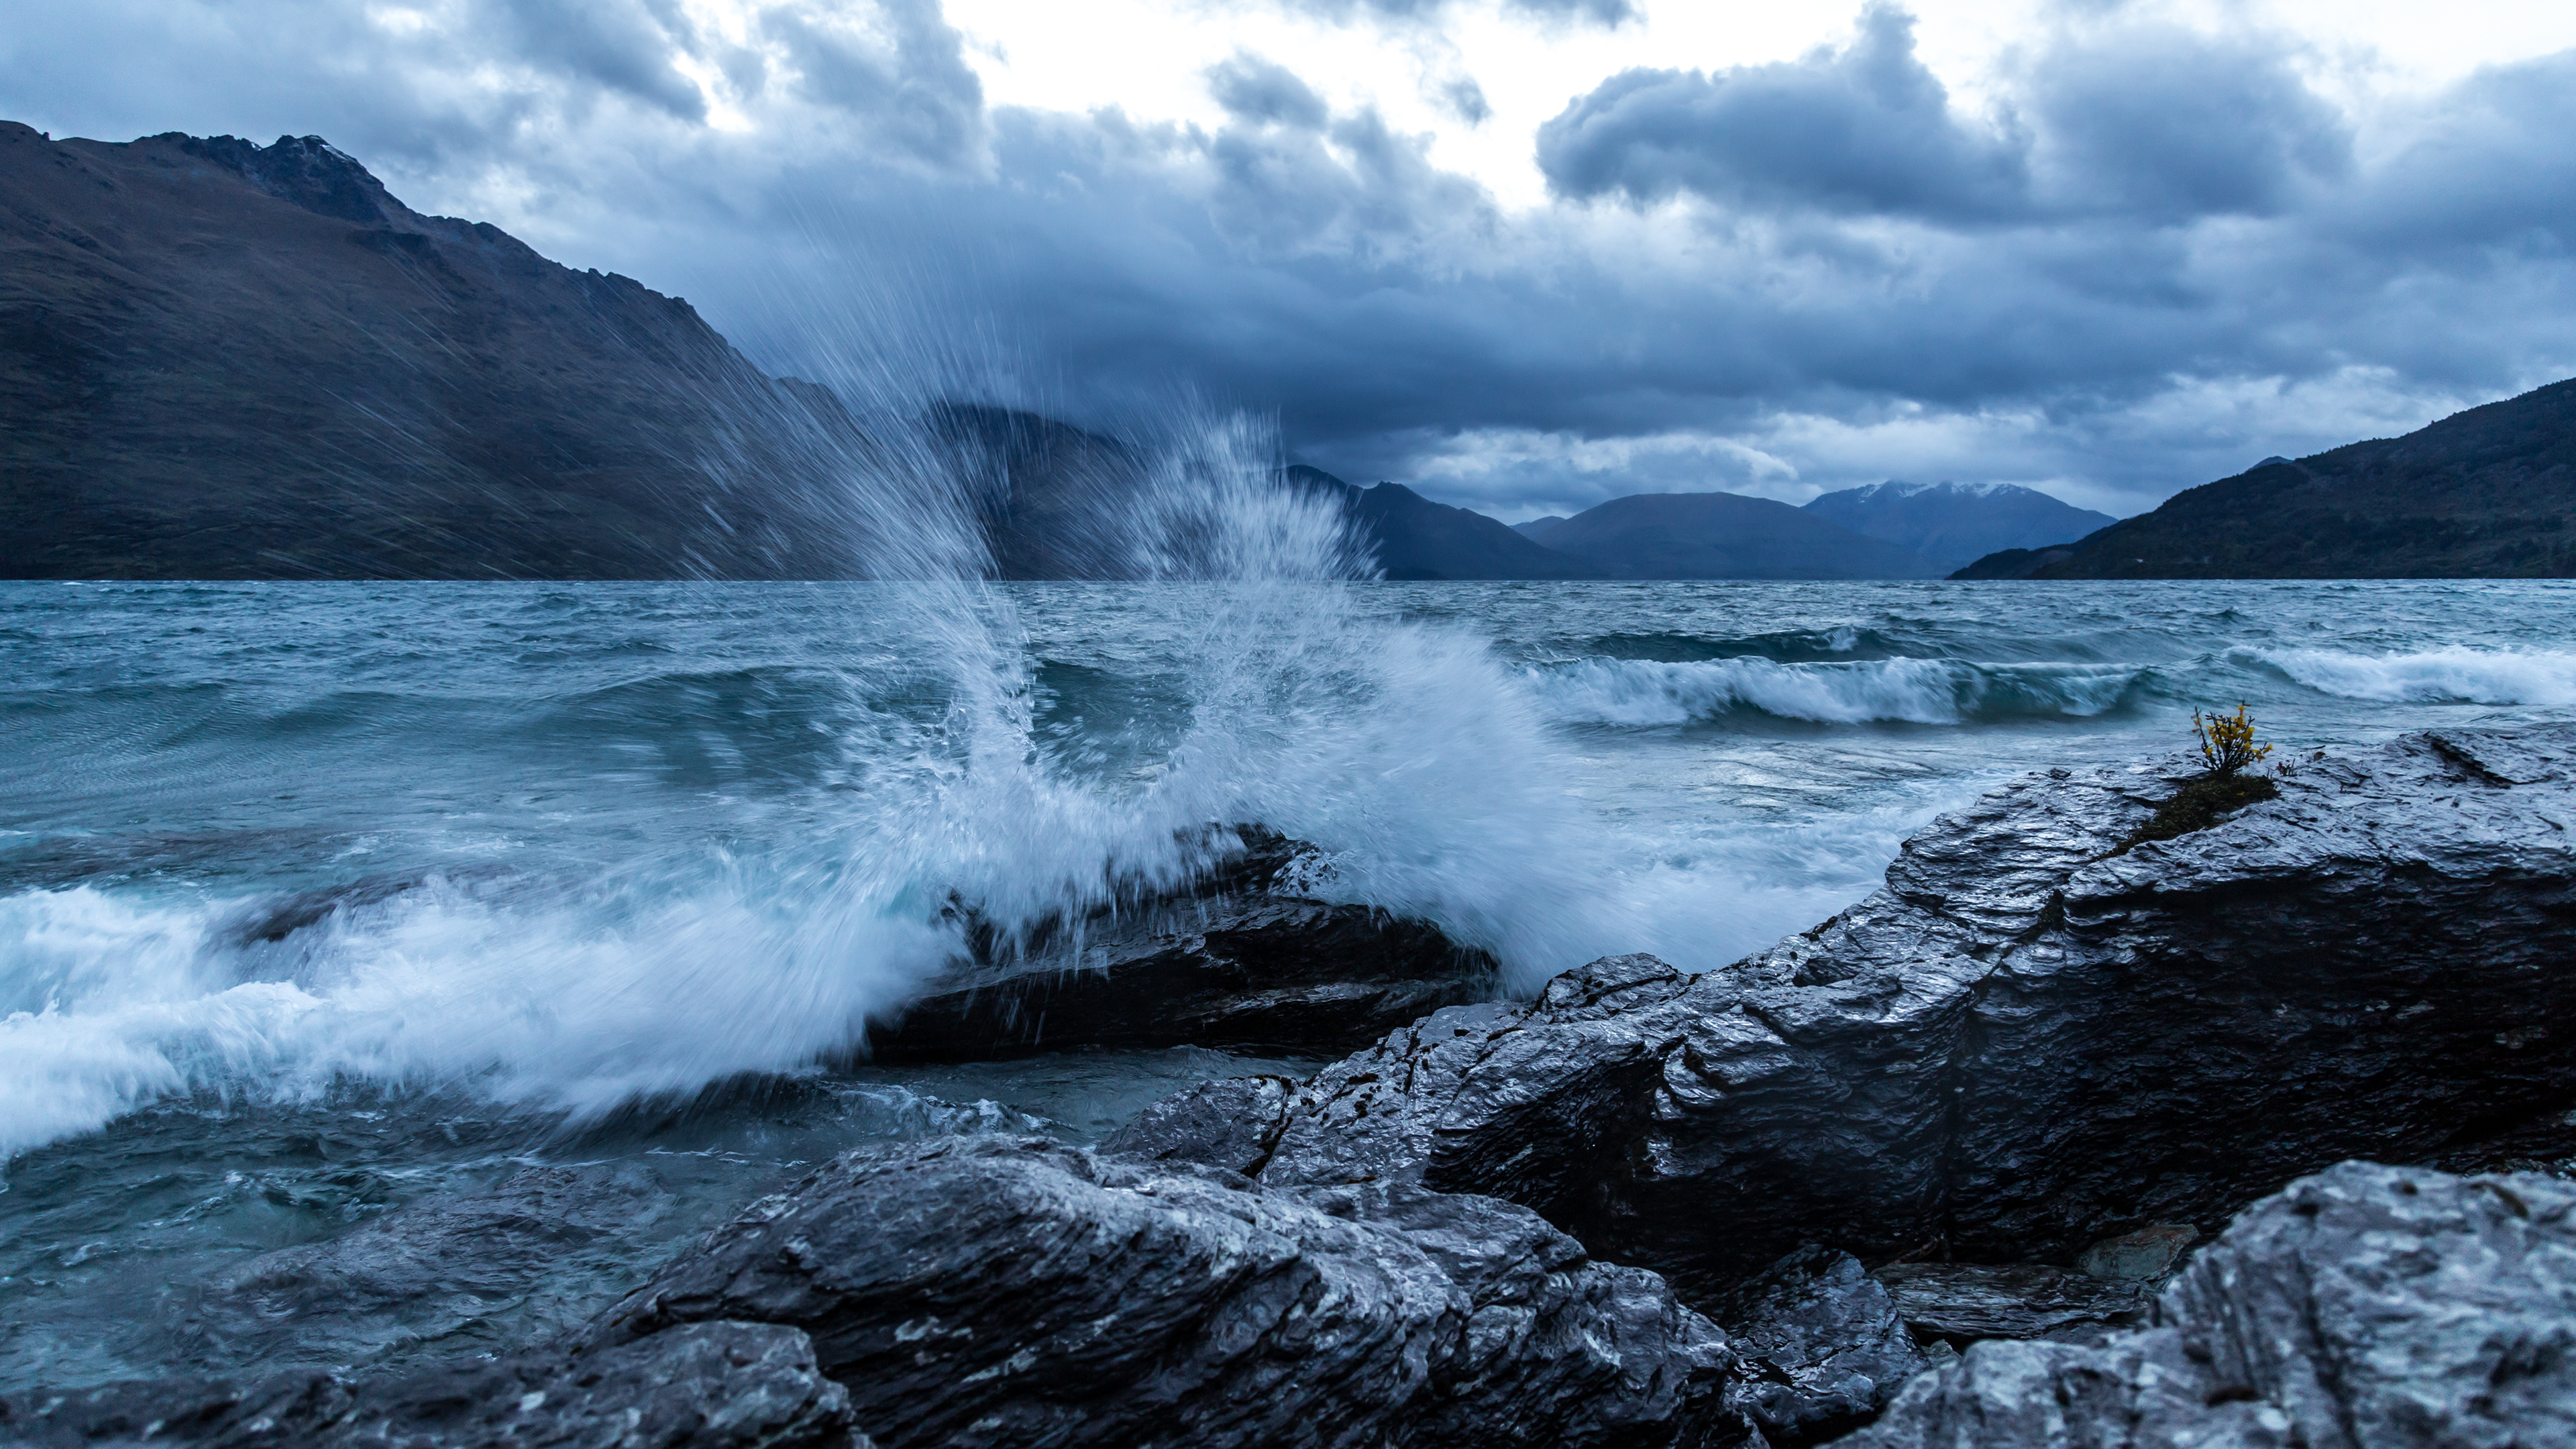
(1726, 536)
(1953, 524)
(2487, 493)
(1419, 539)
(221, 360)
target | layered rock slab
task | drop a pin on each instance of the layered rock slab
(2366, 1307)
(1821, 1348)
(1241, 956)
(2032, 1037)
(1002, 1291)
(709, 1386)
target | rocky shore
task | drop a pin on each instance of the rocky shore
(2054, 1140)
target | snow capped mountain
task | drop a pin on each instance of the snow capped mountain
(1955, 524)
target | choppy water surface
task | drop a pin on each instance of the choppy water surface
(315, 899)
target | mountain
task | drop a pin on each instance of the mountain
(1419, 539)
(222, 360)
(2016, 563)
(1726, 536)
(1537, 529)
(2487, 493)
(1953, 524)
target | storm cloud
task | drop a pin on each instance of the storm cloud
(2141, 257)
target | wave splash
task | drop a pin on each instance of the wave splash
(1420, 763)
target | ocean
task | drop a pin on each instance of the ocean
(319, 899)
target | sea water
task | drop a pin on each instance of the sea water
(320, 899)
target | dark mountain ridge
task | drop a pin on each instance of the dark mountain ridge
(1419, 539)
(221, 360)
(2486, 493)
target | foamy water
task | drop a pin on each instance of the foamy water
(441, 874)
(594, 842)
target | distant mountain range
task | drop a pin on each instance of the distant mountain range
(1721, 536)
(2487, 493)
(1955, 524)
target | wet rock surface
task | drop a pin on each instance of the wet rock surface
(2024, 1048)
(1964, 1302)
(2366, 1307)
(1237, 959)
(2023, 1043)
(1232, 1123)
(1821, 1349)
(532, 1255)
(1009, 1291)
(707, 1386)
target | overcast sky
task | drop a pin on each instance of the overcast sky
(1525, 255)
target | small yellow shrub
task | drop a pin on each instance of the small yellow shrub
(2227, 741)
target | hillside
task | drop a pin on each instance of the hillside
(2487, 493)
(220, 360)
(1419, 539)
(1954, 524)
(1724, 536)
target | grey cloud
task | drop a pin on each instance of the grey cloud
(1354, 186)
(906, 80)
(2152, 122)
(2168, 125)
(618, 45)
(2488, 168)
(1254, 89)
(1465, 100)
(2128, 338)
(1863, 129)
(1611, 13)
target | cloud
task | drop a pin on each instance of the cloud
(896, 68)
(1593, 12)
(2166, 125)
(616, 45)
(1465, 99)
(2147, 257)
(1253, 89)
(1866, 128)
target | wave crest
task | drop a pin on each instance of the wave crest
(1639, 692)
(2432, 676)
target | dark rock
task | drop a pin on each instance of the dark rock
(2023, 1044)
(1964, 1302)
(2144, 1256)
(1232, 1123)
(705, 1386)
(1821, 1345)
(1237, 958)
(2366, 1307)
(1018, 1291)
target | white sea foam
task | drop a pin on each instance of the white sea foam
(2433, 676)
(1642, 692)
